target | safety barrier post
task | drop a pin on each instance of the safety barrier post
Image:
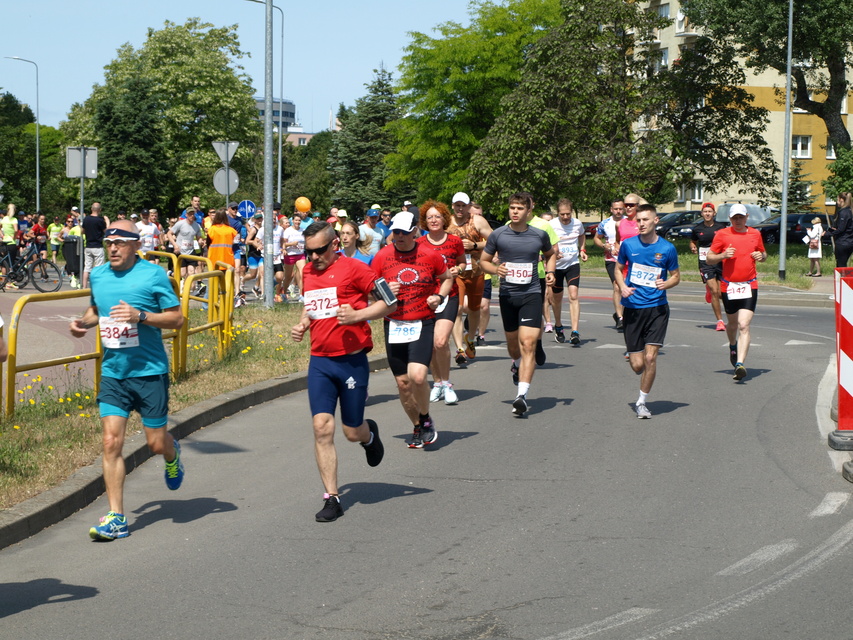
(842, 438)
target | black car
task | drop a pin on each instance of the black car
(675, 219)
(797, 224)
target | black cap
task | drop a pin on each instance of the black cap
(233, 205)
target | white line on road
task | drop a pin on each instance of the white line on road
(626, 617)
(759, 558)
(611, 346)
(823, 402)
(832, 503)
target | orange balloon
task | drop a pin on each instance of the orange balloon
(303, 204)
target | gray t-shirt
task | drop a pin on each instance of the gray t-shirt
(185, 233)
(519, 251)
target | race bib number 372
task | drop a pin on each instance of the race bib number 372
(321, 303)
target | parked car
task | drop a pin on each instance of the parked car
(590, 227)
(797, 223)
(677, 218)
(755, 215)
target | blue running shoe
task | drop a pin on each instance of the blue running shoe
(175, 470)
(113, 525)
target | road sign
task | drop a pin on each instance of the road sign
(225, 150)
(246, 209)
(219, 181)
(74, 162)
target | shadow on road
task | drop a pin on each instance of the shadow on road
(178, 511)
(20, 596)
(374, 492)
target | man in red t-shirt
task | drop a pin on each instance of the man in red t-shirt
(338, 311)
(738, 248)
(413, 271)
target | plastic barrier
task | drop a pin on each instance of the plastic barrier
(842, 438)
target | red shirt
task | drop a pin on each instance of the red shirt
(37, 231)
(346, 281)
(417, 271)
(740, 267)
(451, 250)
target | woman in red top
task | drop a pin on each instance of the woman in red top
(38, 234)
(435, 218)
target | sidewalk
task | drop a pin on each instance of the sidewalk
(86, 485)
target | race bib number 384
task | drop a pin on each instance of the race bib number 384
(118, 335)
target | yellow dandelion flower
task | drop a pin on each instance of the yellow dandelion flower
(16, 427)
(77, 394)
(50, 387)
(29, 386)
(26, 375)
(20, 390)
(61, 400)
(38, 379)
(87, 397)
(32, 401)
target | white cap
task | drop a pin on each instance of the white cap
(375, 206)
(462, 197)
(404, 221)
(406, 203)
(737, 210)
(342, 213)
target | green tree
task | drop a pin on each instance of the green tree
(201, 94)
(800, 198)
(131, 149)
(451, 86)
(708, 124)
(568, 128)
(841, 178)
(822, 44)
(356, 159)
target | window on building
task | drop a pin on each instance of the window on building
(693, 191)
(260, 112)
(801, 146)
(303, 142)
(663, 11)
(830, 150)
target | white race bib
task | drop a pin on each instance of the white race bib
(321, 303)
(703, 253)
(118, 335)
(569, 251)
(519, 272)
(468, 264)
(643, 275)
(738, 290)
(403, 331)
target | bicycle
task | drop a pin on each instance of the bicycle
(44, 274)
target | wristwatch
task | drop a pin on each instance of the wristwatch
(142, 317)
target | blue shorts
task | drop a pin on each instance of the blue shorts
(149, 395)
(341, 378)
(254, 262)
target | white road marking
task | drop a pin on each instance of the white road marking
(759, 558)
(825, 424)
(809, 563)
(626, 617)
(832, 503)
(797, 343)
(611, 346)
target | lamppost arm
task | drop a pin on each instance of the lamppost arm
(38, 151)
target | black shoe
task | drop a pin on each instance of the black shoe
(575, 338)
(461, 360)
(620, 325)
(417, 442)
(514, 371)
(428, 433)
(519, 406)
(740, 372)
(374, 451)
(540, 354)
(733, 356)
(481, 340)
(559, 336)
(331, 511)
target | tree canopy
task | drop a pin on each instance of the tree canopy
(822, 47)
(451, 86)
(199, 92)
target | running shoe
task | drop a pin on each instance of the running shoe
(470, 349)
(257, 292)
(721, 326)
(450, 396)
(428, 433)
(175, 470)
(733, 356)
(202, 289)
(417, 442)
(559, 336)
(331, 511)
(113, 525)
(514, 371)
(374, 451)
(549, 328)
(740, 372)
(620, 325)
(481, 340)
(461, 360)
(642, 412)
(541, 358)
(575, 337)
(437, 392)
(519, 406)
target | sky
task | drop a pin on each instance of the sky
(331, 48)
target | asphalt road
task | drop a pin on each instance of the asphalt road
(724, 516)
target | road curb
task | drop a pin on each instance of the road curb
(86, 485)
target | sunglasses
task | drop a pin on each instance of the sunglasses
(319, 250)
(631, 204)
(119, 242)
(401, 232)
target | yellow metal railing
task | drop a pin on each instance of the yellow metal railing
(220, 307)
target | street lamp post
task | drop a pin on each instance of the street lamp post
(280, 96)
(38, 153)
